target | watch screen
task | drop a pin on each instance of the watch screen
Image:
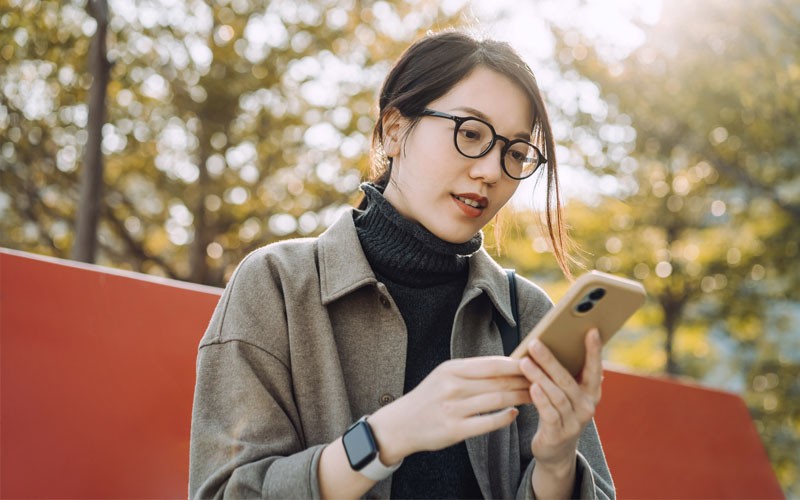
(359, 446)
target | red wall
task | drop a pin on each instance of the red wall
(97, 375)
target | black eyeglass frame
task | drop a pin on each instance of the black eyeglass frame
(460, 120)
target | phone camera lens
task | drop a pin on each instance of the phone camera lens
(597, 294)
(584, 307)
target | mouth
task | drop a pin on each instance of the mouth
(471, 200)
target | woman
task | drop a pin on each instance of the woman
(365, 361)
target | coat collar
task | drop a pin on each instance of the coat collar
(343, 268)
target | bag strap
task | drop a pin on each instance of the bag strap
(509, 334)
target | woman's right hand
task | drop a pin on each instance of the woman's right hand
(459, 399)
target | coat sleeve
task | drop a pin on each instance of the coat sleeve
(247, 439)
(592, 477)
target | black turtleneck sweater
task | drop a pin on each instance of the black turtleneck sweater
(426, 277)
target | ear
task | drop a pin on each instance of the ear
(393, 124)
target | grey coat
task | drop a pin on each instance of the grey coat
(305, 340)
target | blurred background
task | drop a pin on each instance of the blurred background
(172, 137)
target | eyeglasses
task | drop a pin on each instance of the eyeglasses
(474, 138)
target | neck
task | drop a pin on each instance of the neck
(404, 251)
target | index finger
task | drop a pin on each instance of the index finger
(485, 367)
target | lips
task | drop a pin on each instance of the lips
(473, 200)
(470, 204)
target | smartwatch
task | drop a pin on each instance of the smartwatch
(362, 451)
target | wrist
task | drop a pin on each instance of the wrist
(554, 479)
(561, 469)
(391, 444)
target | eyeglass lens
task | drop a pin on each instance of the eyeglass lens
(474, 138)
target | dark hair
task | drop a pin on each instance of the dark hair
(432, 66)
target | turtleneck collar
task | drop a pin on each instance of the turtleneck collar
(404, 251)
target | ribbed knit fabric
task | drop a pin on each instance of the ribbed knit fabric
(404, 251)
(426, 277)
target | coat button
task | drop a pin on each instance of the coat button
(386, 399)
(385, 302)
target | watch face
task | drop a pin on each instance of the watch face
(359, 445)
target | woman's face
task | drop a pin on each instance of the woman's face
(433, 184)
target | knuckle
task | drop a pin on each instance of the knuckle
(449, 388)
(560, 400)
(550, 415)
(447, 367)
(561, 380)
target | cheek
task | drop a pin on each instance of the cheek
(508, 192)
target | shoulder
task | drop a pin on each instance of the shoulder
(532, 299)
(295, 257)
(531, 292)
(259, 290)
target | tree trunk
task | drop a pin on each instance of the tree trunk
(85, 246)
(670, 323)
(198, 263)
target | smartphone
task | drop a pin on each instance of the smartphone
(595, 300)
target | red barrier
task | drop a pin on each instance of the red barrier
(665, 439)
(97, 380)
(97, 373)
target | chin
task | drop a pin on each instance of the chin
(458, 238)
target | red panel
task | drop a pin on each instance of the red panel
(667, 440)
(97, 374)
(97, 380)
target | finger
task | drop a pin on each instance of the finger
(490, 402)
(473, 387)
(548, 414)
(482, 424)
(556, 395)
(483, 367)
(553, 368)
(592, 373)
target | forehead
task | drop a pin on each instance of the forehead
(495, 95)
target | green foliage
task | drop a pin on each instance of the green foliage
(697, 134)
(231, 124)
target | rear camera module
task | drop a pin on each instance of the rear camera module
(597, 294)
(588, 301)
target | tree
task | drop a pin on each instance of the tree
(701, 149)
(85, 245)
(231, 124)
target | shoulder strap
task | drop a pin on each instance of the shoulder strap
(509, 334)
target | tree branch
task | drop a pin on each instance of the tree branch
(740, 175)
(137, 247)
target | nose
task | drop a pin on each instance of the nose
(488, 167)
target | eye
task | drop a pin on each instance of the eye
(470, 133)
(517, 156)
(520, 153)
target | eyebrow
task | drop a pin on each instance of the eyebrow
(478, 114)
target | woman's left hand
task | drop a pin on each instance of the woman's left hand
(565, 405)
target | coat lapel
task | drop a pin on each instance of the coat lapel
(475, 334)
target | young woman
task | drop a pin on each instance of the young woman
(365, 362)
